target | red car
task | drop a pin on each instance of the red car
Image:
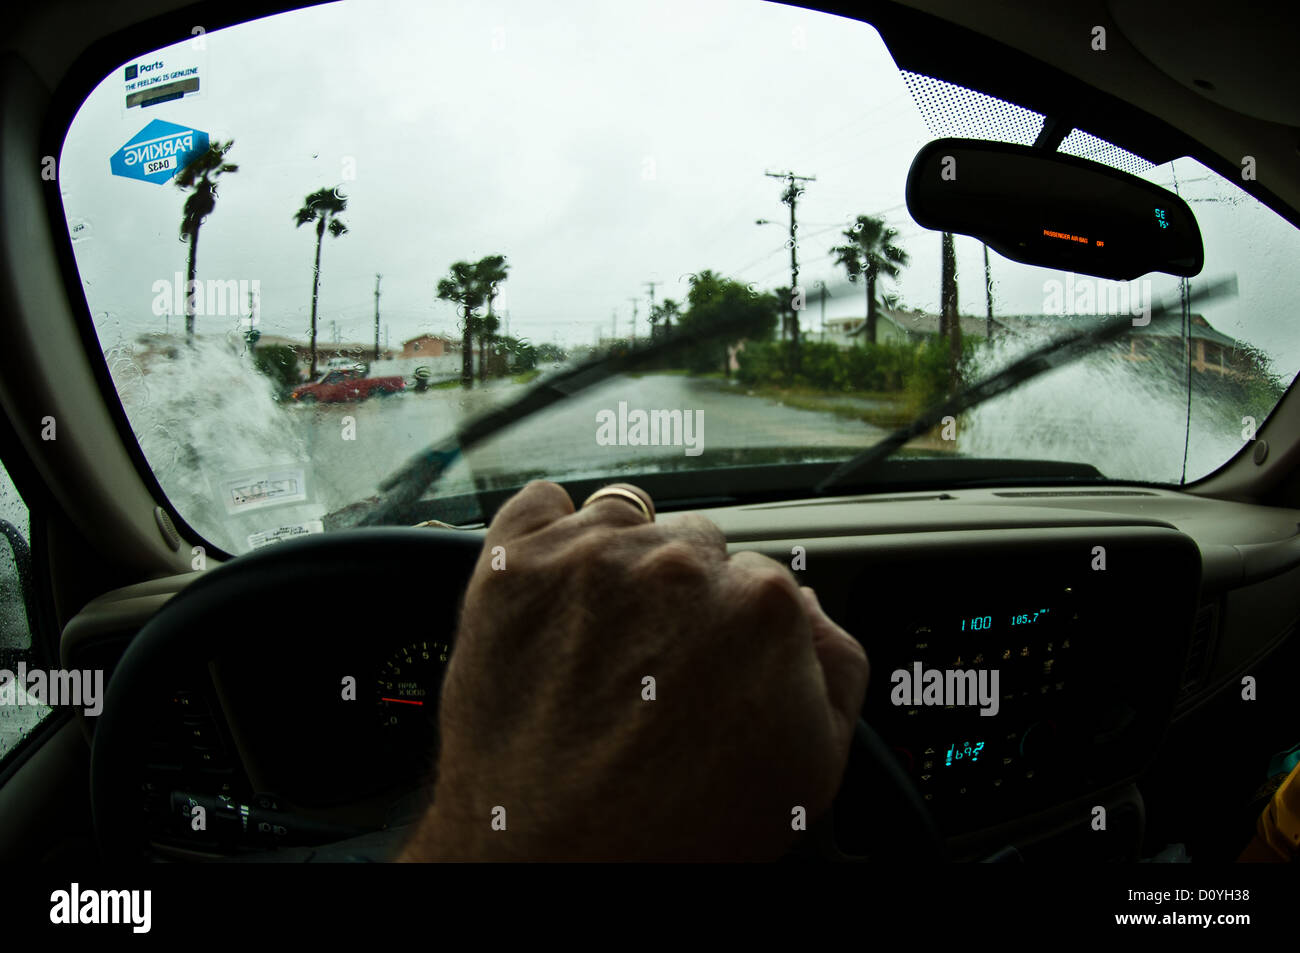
(351, 384)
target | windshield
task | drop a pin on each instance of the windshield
(314, 244)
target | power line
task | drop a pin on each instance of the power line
(829, 228)
(873, 114)
(757, 261)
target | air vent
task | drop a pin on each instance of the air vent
(1201, 650)
(1043, 493)
(167, 528)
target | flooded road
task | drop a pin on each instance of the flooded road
(562, 440)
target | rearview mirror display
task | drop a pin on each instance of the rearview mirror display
(1057, 211)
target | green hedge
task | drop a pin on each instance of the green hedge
(917, 371)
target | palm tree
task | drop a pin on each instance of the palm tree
(464, 288)
(871, 253)
(199, 177)
(470, 285)
(487, 329)
(665, 312)
(322, 207)
(490, 271)
(671, 310)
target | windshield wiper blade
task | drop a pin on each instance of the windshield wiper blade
(1056, 353)
(413, 479)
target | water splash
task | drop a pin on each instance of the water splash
(1127, 418)
(200, 414)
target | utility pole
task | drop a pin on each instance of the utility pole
(377, 277)
(791, 198)
(634, 301)
(823, 284)
(988, 296)
(613, 317)
(949, 322)
(651, 286)
(252, 334)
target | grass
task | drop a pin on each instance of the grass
(900, 413)
(666, 371)
(678, 372)
(527, 377)
(809, 398)
(803, 397)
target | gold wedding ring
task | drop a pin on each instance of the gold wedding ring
(622, 494)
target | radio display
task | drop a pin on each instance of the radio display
(965, 751)
(1003, 620)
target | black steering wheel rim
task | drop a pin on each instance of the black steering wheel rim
(191, 630)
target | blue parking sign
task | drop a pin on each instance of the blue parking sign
(158, 151)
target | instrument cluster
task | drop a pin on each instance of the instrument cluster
(299, 749)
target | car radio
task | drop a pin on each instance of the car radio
(1006, 683)
(979, 700)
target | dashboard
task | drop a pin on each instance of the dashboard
(1028, 657)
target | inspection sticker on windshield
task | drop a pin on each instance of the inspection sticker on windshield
(279, 535)
(158, 151)
(260, 490)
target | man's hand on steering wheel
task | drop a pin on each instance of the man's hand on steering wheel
(622, 689)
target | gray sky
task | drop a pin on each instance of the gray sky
(597, 145)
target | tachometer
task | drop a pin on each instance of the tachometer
(408, 689)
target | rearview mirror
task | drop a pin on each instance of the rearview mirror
(1057, 211)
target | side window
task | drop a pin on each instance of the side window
(19, 712)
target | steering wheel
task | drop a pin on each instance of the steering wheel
(231, 613)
